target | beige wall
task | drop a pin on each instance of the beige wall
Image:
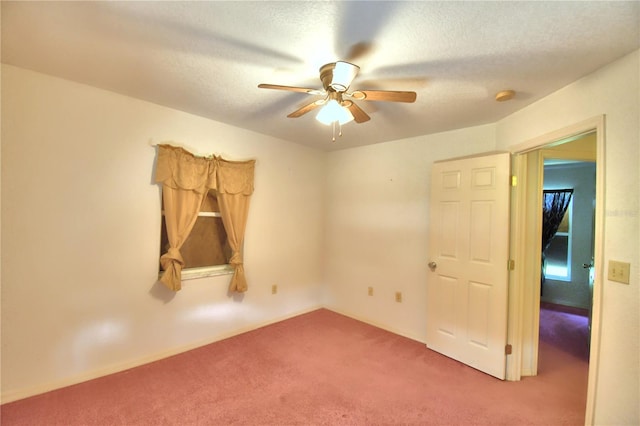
(377, 225)
(614, 91)
(80, 234)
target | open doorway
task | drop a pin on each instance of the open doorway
(566, 285)
(567, 235)
(526, 245)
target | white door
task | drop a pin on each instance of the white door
(469, 249)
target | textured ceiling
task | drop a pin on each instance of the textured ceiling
(207, 58)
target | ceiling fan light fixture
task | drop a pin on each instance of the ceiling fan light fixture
(332, 112)
(338, 75)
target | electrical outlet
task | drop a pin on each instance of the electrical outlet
(370, 291)
(619, 271)
(274, 289)
(398, 296)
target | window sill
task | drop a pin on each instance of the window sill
(206, 271)
(556, 278)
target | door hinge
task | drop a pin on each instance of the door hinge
(508, 349)
(511, 265)
(514, 180)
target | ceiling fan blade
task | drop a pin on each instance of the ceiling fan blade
(359, 50)
(358, 114)
(384, 95)
(305, 109)
(291, 89)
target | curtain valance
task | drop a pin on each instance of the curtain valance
(178, 168)
(185, 180)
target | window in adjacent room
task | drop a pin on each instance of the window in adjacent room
(206, 251)
(558, 254)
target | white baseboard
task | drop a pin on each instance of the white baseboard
(378, 325)
(15, 395)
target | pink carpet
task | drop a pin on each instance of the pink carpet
(319, 368)
(566, 330)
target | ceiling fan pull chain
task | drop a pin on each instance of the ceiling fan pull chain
(333, 125)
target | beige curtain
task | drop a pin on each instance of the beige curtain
(235, 185)
(186, 179)
(181, 211)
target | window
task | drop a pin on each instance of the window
(186, 180)
(206, 251)
(558, 254)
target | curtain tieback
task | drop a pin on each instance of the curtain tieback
(236, 259)
(171, 257)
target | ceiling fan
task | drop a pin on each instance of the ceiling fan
(337, 101)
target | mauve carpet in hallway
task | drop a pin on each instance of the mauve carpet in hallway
(565, 330)
(320, 368)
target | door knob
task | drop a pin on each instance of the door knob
(433, 265)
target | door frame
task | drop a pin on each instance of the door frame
(526, 223)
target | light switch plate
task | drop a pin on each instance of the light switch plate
(619, 271)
